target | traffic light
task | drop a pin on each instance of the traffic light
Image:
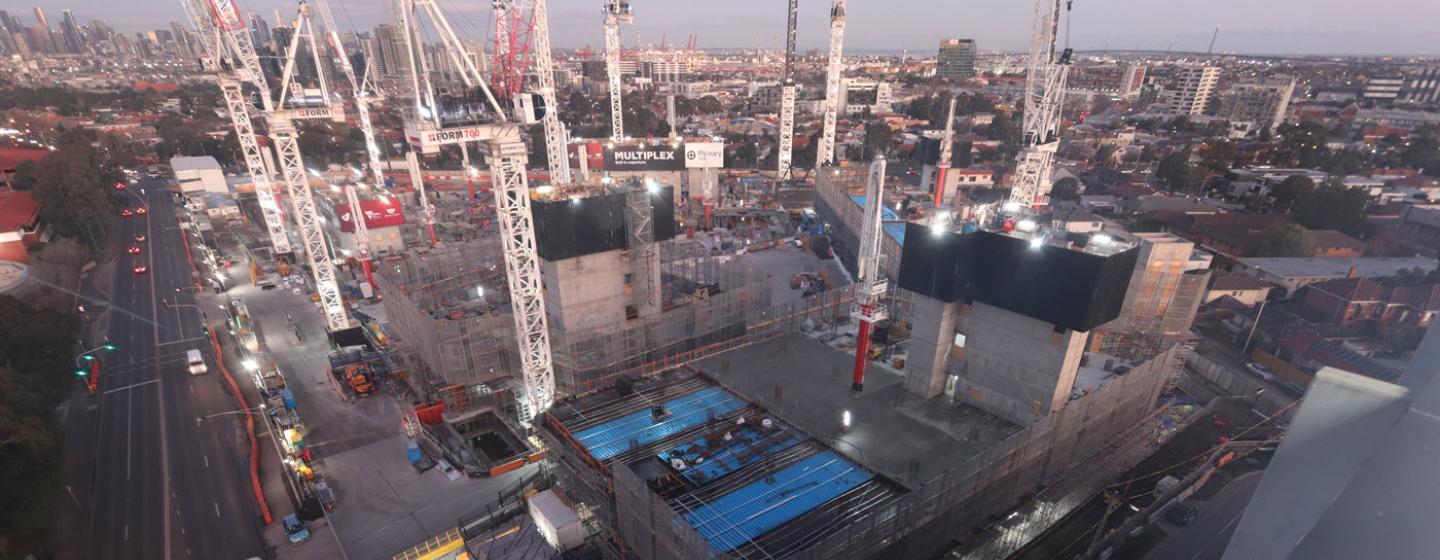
(87, 357)
(109, 347)
(80, 373)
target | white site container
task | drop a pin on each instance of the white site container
(557, 521)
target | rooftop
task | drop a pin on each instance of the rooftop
(1311, 267)
(890, 432)
(193, 163)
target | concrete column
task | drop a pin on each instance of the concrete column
(932, 335)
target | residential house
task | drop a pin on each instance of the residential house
(20, 227)
(1247, 290)
(1332, 244)
(1351, 300)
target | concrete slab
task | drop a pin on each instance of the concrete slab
(785, 261)
(807, 383)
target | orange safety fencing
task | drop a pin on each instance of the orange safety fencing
(249, 428)
(190, 259)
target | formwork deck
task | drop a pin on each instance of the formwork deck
(807, 383)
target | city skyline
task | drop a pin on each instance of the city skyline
(1275, 28)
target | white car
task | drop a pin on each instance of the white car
(1259, 370)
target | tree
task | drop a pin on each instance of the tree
(961, 156)
(1334, 206)
(74, 188)
(1282, 240)
(877, 139)
(1177, 173)
(1292, 190)
(1067, 188)
(24, 178)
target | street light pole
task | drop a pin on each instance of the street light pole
(1246, 348)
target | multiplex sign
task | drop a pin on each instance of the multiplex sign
(430, 140)
(632, 158)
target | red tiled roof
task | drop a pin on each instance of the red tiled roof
(10, 158)
(1352, 289)
(17, 210)
(1329, 238)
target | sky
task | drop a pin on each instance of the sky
(1398, 27)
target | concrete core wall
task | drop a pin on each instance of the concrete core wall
(587, 291)
(1013, 366)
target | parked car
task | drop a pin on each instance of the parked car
(1259, 370)
(1181, 513)
(1293, 388)
(295, 529)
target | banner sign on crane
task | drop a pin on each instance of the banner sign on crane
(229, 15)
(430, 140)
(378, 214)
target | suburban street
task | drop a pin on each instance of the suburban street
(166, 485)
(1205, 538)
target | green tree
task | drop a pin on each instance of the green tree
(1177, 173)
(1292, 190)
(74, 187)
(1334, 206)
(1067, 188)
(24, 178)
(877, 139)
(1302, 144)
(1282, 240)
(961, 155)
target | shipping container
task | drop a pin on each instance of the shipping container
(557, 520)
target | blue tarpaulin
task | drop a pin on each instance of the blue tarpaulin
(640, 427)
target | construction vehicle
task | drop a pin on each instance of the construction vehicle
(358, 377)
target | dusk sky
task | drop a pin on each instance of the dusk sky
(1248, 26)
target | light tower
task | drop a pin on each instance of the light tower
(787, 98)
(616, 12)
(1044, 94)
(825, 153)
(870, 284)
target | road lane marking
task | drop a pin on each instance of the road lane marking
(127, 532)
(164, 466)
(128, 387)
(217, 508)
(129, 416)
(184, 340)
(207, 460)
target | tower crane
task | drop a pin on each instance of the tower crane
(436, 120)
(870, 283)
(372, 149)
(787, 97)
(1045, 76)
(616, 12)
(825, 153)
(529, 19)
(947, 141)
(292, 166)
(232, 57)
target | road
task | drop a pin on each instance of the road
(166, 486)
(1206, 537)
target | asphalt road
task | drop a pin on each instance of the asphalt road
(167, 486)
(1206, 537)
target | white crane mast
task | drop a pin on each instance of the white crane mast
(427, 130)
(870, 284)
(1044, 93)
(358, 91)
(825, 153)
(787, 98)
(228, 44)
(292, 167)
(616, 12)
(947, 147)
(538, 16)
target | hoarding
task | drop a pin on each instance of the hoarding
(709, 155)
(378, 214)
(653, 158)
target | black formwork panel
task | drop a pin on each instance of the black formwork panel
(1067, 288)
(585, 226)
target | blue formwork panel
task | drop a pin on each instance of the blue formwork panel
(639, 428)
(740, 516)
(748, 444)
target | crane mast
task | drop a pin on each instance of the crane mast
(942, 167)
(1044, 93)
(221, 22)
(870, 284)
(616, 12)
(292, 167)
(825, 153)
(787, 97)
(512, 17)
(431, 124)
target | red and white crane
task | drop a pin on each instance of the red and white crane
(870, 282)
(525, 26)
(947, 147)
